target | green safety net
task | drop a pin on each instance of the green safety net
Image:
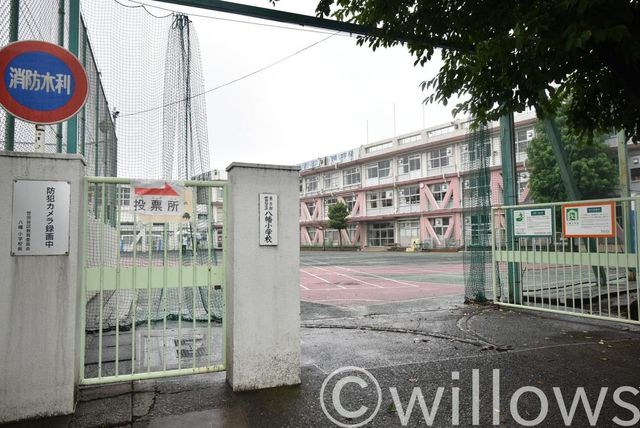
(476, 203)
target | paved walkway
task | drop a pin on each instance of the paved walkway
(427, 348)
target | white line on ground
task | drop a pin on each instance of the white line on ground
(315, 276)
(372, 274)
(350, 277)
(358, 288)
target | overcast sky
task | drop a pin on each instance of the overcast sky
(313, 104)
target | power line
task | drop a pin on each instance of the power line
(231, 81)
(145, 6)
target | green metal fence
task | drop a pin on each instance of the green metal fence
(539, 265)
(153, 292)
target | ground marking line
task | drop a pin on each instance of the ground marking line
(350, 277)
(359, 288)
(303, 287)
(372, 274)
(315, 276)
(348, 300)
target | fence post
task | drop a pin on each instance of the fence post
(74, 31)
(39, 295)
(510, 189)
(10, 125)
(262, 279)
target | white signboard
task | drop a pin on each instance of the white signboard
(158, 201)
(268, 212)
(533, 222)
(589, 220)
(40, 219)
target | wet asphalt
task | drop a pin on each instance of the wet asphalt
(459, 364)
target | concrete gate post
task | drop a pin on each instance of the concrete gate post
(262, 288)
(39, 296)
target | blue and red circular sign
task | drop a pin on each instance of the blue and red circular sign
(41, 82)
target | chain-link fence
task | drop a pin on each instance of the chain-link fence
(48, 20)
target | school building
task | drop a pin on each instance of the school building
(405, 189)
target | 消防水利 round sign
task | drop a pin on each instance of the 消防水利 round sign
(41, 82)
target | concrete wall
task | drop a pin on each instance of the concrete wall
(262, 289)
(39, 300)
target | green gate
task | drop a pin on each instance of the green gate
(152, 285)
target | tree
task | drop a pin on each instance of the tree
(503, 56)
(594, 171)
(338, 218)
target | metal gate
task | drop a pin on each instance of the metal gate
(152, 286)
(586, 276)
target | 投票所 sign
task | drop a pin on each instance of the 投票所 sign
(158, 201)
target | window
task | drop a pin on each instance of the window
(441, 131)
(381, 199)
(410, 139)
(372, 171)
(311, 207)
(440, 225)
(301, 187)
(476, 183)
(439, 190)
(380, 234)
(328, 203)
(478, 229)
(440, 157)
(379, 147)
(381, 169)
(312, 183)
(384, 168)
(331, 180)
(408, 163)
(350, 202)
(408, 231)
(125, 196)
(352, 229)
(523, 182)
(523, 137)
(410, 196)
(476, 152)
(351, 176)
(310, 164)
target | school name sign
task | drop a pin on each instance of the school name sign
(41, 82)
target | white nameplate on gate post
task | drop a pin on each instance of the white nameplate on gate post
(40, 218)
(268, 213)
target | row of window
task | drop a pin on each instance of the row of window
(407, 196)
(438, 158)
(410, 195)
(384, 233)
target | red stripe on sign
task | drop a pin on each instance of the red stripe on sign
(160, 191)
